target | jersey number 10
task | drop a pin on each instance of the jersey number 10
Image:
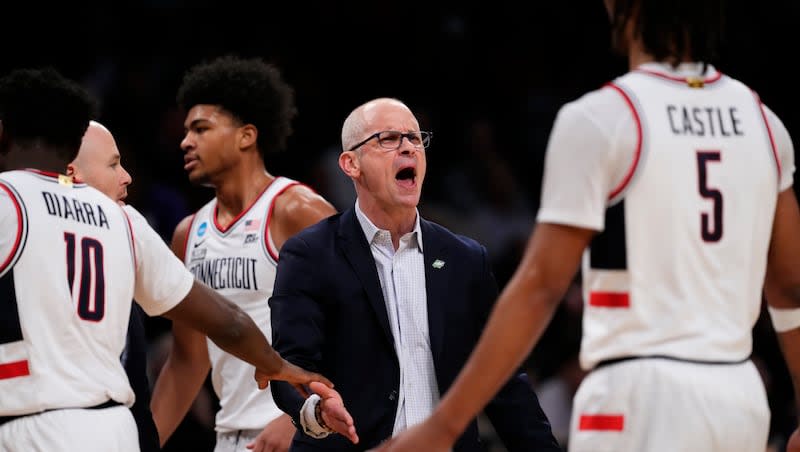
(91, 298)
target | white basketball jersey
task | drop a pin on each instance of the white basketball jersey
(240, 262)
(66, 285)
(68, 275)
(688, 186)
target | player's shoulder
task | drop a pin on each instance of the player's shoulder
(602, 106)
(134, 215)
(300, 204)
(298, 195)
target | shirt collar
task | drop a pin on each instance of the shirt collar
(694, 69)
(370, 230)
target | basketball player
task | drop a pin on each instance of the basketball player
(69, 268)
(238, 110)
(674, 182)
(99, 165)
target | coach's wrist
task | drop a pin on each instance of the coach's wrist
(311, 418)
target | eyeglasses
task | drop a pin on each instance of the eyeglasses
(392, 139)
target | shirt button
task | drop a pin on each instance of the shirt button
(393, 395)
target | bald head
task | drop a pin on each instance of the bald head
(99, 163)
(360, 119)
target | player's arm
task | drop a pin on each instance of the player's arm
(296, 209)
(782, 280)
(782, 285)
(186, 366)
(518, 320)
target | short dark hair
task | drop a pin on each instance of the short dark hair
(670, 29)
(40, 104)
(251, 90)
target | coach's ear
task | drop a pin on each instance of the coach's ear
(350, 163)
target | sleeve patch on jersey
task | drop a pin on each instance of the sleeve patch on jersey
(609, 299)
(14, 369)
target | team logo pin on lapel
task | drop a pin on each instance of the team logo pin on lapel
(437, 264)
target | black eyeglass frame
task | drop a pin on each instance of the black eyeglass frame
(425, 139)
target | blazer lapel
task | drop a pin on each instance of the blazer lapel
(436, 278)
(357, 251)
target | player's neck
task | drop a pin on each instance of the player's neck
(637, 56)
(36, 157)
(238, 192)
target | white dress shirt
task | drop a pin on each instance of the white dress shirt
(402, 278)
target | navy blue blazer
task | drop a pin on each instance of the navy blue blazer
(329, 316)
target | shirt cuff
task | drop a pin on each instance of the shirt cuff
(308, 419)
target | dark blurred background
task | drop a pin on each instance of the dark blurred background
(486, 77)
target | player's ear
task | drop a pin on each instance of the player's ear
(70, 169)
(248, 135)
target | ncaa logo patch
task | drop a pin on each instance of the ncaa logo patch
(202, 229)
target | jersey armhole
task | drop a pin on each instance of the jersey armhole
(618, 192)
(184, 256)
(131, 237)
(21, 236)
(269, 245)
(760, 106)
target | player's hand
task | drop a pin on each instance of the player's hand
(297, 377)
(425, 436)
(333, 412)
(276, 436)
(793, 445)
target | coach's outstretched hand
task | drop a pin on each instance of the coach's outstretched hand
(333, 412)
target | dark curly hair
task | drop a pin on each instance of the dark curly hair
(41, 105)
(671, 29)
(251, 90)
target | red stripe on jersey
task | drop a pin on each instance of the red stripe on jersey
(133, 239)
(14, 369)
(273, 252)
(602, 422)
(618, 189)
(609, 299)
(241, 214)
(771, 137)
(18, 238)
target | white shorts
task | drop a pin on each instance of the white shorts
(666, 405)
(86, 430)
(235, 441)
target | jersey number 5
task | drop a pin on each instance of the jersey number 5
(710, 231)
(91, 298)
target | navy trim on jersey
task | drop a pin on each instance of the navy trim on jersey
(612, 361)
(10, 325)
(608, 250)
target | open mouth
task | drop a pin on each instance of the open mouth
(406, 177)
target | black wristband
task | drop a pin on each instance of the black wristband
(318, 416)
